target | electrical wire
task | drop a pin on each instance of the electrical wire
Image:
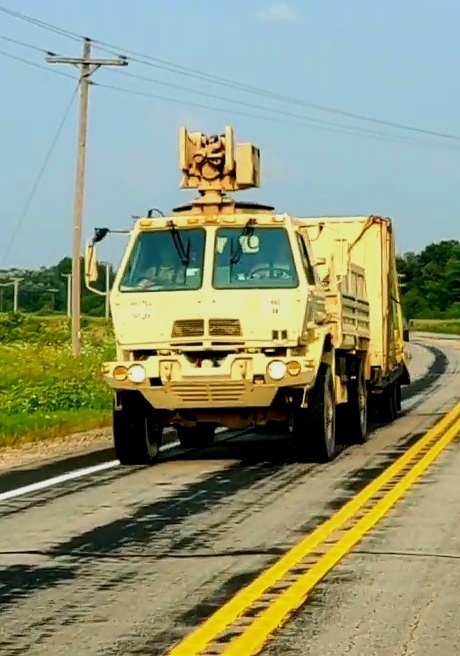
(8, 55)
(23, 43)
(155, 62)
(281, 112)
(351, 131)
(197, 74)
(334, 126)
(300, 119)
(40, 174)
(38, 23)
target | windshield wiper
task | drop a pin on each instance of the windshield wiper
(236, 253)
(182, 251)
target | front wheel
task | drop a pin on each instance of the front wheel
(314, 427)
(137, 433)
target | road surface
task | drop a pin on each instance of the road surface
(131, 561)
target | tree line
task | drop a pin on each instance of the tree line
(430, 285)
(431, 281)
(44, 290)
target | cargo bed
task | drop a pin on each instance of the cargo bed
(370, 244)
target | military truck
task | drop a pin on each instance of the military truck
(228, 313)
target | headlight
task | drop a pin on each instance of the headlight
(276, 369)
(136, 373)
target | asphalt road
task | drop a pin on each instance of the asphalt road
(128, 561)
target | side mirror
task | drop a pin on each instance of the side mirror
(91, 268)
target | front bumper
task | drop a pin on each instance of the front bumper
(240, 381)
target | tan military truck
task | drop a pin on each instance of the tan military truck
(230, 314)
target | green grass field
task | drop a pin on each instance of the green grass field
(44, 391)
(447, 326)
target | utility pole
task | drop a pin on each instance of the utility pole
(16, 282)
(69, 293)
(87, 67)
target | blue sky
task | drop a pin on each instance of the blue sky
(393, 60)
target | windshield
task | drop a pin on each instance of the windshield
(165, 260)
(252, 258)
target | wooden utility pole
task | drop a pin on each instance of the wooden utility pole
(87, 67)
(16, 282)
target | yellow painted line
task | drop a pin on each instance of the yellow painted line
(196, 642)
(253, 639)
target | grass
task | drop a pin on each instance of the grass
(44, 391)
(446, 326)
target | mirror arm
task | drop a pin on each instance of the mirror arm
(93, 289)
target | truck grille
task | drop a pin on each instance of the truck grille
(188, 328)
(224, 328)
(197, 394)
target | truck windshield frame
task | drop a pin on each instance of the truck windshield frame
(256, 257)
(156, 263)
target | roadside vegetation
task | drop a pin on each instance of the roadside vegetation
(431, 285)
(44, 391)
(438, 326)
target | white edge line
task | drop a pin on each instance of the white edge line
(77, 473)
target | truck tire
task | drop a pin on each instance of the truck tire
(137, 436)
(355, 427)
(398, 397)
(388, 403)
(196, 437)
(314, 427)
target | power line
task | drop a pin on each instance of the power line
(21, 43)
(281, 112)
(39, 23)
(40, 174)
(192, 72)
(35, 64)
(336, 127)
(352, 131)
(300, 119)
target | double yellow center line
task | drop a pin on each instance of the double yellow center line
(243, 625)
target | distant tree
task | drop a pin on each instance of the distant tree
(432, 281)
(44, 290)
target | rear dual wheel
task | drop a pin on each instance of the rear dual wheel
(354, 414)
(388, 403)
(391, 401)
